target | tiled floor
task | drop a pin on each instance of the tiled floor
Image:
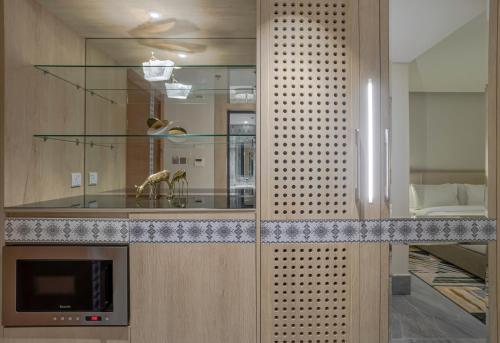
(426, 316)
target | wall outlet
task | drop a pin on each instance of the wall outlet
(76, 180)
(92, 178)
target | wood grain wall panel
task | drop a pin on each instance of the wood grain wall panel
(40, 103)
(137, 150)
(35, 103)
(307, 110)
(105, 116)
(66, 335)
(192, 293)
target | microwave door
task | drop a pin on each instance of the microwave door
(64, 286)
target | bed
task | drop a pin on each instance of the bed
(452, 194)
(448, 194)
(472, 258)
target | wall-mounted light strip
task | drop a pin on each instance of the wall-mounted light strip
(370, 143)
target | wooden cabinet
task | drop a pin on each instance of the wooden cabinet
(187, 293)
(66, 335)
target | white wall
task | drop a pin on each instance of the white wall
(400, 161)
(195, 118)
(447, 131)
(459, 63)
(400, 147)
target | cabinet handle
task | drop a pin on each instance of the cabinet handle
(358, 167)
(387, 146)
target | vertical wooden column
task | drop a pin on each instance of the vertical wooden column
(316, 57)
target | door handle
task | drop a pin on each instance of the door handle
(387, 180)
(357, 188)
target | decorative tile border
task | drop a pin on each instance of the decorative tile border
(392, 230)
(68, 230)
(71, 230)
(192, 231)
(310, 231)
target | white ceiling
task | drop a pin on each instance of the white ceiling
(129, 18)
(418, 25)
(185, 26)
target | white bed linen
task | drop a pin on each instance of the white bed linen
(451, 211)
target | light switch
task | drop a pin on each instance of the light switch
(199, 162)
(92, 178)
(76, 180)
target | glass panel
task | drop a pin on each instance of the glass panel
(151, 129)
(439, 76)
(439, 292)
(241, 157)
(45, 286)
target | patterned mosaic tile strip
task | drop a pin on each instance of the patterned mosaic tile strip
(125, 231)
(394, 230)
(243, 231)
(66, 230)
(194, 231)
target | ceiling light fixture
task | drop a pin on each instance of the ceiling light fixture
(154, 15)
(181, 55)
(157, 70)
(177, 90)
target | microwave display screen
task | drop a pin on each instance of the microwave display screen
(64, 285)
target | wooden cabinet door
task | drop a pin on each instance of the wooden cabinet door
(320, 77)
(186, 293)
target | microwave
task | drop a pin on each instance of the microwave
(65, 286)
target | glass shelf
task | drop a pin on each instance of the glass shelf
(95, 76)
(182, 140)
(112, 83)
(196, 199)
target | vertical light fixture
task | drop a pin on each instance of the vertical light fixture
(370, 142)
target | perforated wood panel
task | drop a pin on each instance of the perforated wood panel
(308, 299)
(309, 124)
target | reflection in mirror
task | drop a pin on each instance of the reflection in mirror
(439, 292)
(241, 158)
(438, 76)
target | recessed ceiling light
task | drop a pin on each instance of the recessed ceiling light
(245, 122)
(154, 15)
(181, 55)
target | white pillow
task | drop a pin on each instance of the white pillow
(476, 194)
(436, 195)
(413, 198)
(462, 194)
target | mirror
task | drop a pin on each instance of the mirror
(439, 112)
(439, 292)
(241, 157)
(160, 124)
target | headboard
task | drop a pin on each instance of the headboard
(436, 177)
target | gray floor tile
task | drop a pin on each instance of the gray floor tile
(426, 316)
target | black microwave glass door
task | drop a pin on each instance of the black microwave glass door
(64, 286)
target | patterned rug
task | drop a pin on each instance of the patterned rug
(464, 289)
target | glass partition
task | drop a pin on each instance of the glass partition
(439, 292)
(439, 86)
(437, 168)
(153, 128)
